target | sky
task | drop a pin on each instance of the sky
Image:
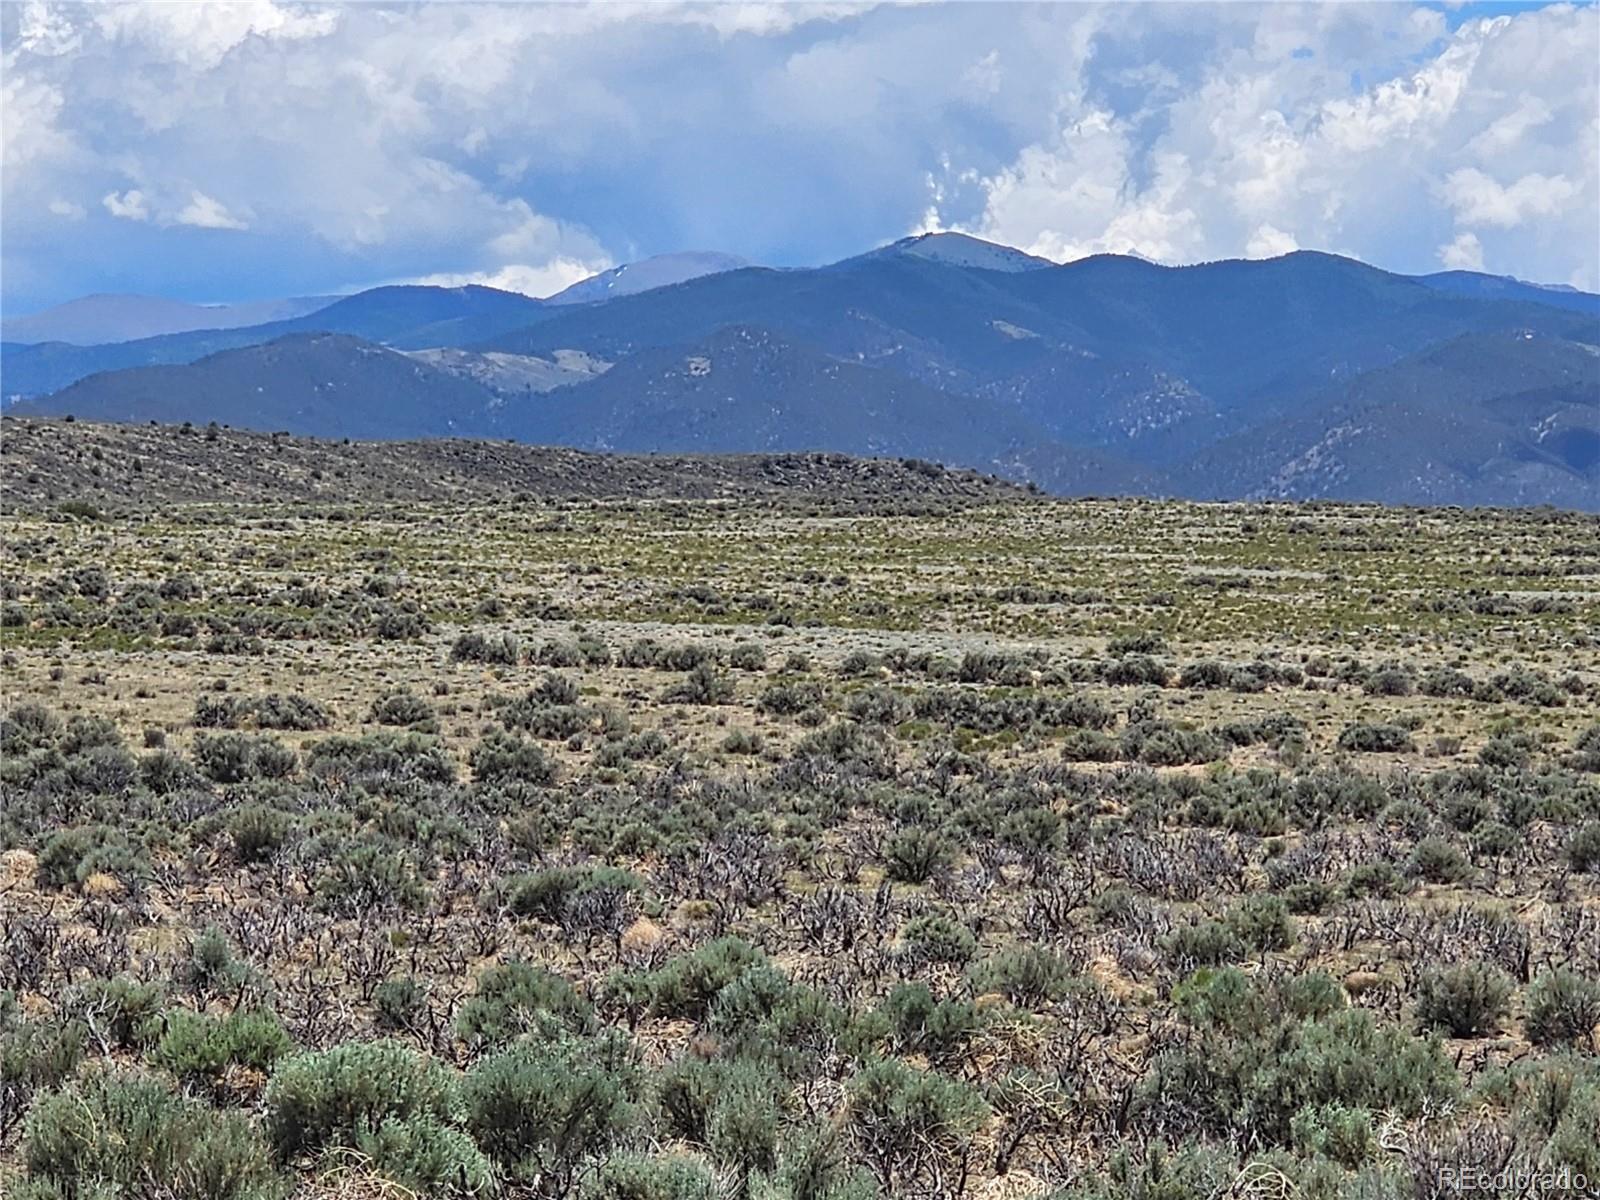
(215, 152)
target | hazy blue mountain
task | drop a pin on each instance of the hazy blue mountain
(95, 320)
(407, 317)
(646, 274)
(1503, 287)
(1303, 375)
(324, 385)
(1498, 418)
(748, 387)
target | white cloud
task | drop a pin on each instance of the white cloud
(469, 140)
(543, 280)
(1465, 253)
(69, 209)
(1269, 242)
(1492, 128)
(205, 213)
(201, 35)
(130, 205)
(1479, 200)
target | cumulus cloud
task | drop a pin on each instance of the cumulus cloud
(1269, 242)
(1464, 253)
(1479, 200)
(205, 213)
(130, 205)
(510, 142)
(543, 280)
(1257, 157)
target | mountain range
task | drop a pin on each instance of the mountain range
(1304, 376)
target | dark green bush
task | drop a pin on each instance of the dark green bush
(915, 854)
(1368, 737)
(194, 1045)
(332, 1097)
(1563, 1008)
(114, 1133)
(505, 758)
(1262, 922)
(937, 939)
(1583, 851)
(1466, 1000)
(544, 1110)
(911, 1126)
(516, 998)
(1029, 976)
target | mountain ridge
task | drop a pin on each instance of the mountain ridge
(1110, 373)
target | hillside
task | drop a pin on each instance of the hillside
(1485, 419)
(404, 317)
(45, 462)
(322, 385)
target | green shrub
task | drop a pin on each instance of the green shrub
(258, 831)
(332, 1097)
(240, 757)
(937, 939)
(294, 712)
(369, 874)
(1466, 1000)
(211, 965)
(1439, 861)
(426, 1157)
(1563, 1007)
(1368, 737)
(115, 1134)
(404, 708)
(542, 1111)
(400, 1002)
(517, 998)
(194, 1045)
(920, 1024)
(1583, 851)
(915, 854)
(506, 758)
(742, 1129)
(1029, 976)
(910, 1125)
(1157, 1172)
(686, 985)
(1264, 1053)
(72, 855)
(1373, 879)
(1089, 745)
(644, 1177)
(119, 1009)
(39, 1053)
(702, 685)
(500, 649)
(1262, 922)
(1203, 944)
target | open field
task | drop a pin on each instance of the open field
(677, 848)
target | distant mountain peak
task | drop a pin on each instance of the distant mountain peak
(661, 270)
(961, 250)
